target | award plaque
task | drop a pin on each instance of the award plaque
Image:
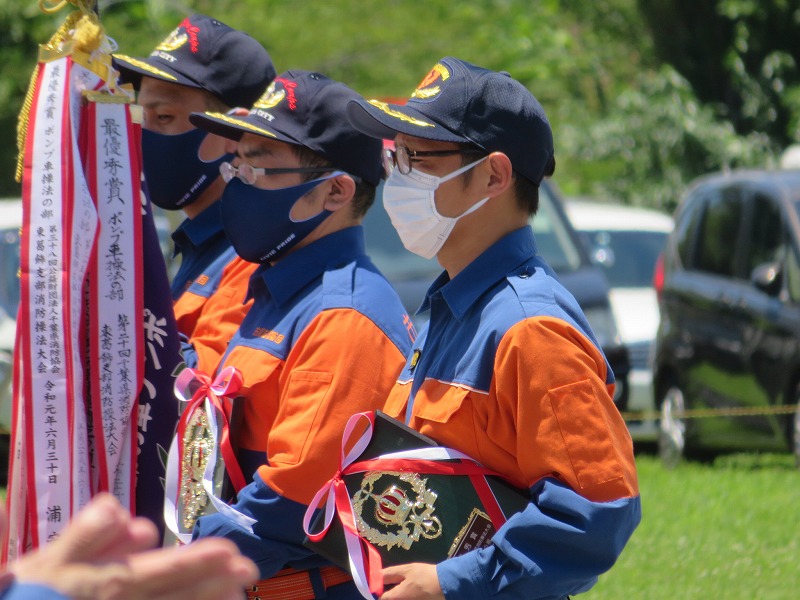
(410, 516)
(198, 439)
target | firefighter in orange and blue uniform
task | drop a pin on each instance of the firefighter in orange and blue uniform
(326, 335)
(202, 65)
(507, 370)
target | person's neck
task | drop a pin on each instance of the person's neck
(334, 223)
(210, 195)
(476, 233)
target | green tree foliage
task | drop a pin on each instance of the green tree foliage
(657, 138)
(625, 125)
(739, 56)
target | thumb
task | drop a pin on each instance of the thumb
(98, 526)
(393, 575)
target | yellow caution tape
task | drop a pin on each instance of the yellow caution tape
(704, 413)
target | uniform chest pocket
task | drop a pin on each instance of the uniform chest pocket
(447, 414)
(298, 417)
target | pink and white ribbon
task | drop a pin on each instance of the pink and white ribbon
(365, 561)
(200, 391)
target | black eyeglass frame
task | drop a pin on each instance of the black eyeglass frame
(392, 158)
(228, 171)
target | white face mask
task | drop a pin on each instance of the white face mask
(409, 200)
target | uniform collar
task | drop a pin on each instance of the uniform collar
(196, 232)
(493, 265)
(292, 273)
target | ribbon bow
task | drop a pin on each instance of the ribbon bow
(365, 561)
(198, 389)
(366, 569)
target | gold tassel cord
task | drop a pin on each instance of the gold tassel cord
(22, 123)
(53, 6)
(49, 7)
(83, 29)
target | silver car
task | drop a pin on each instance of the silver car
(627, 241)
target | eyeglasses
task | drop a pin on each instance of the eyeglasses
(249, 174)
(401, 157)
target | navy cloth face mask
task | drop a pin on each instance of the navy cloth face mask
(257, 221)
(174, 173)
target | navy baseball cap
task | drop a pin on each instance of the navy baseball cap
(207, 54)
(305, 109)
(459, 102)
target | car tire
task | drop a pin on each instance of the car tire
(672, 427)
(796, 427)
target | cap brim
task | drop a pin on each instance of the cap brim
(383, 120)
(133, 69)
(232, 126)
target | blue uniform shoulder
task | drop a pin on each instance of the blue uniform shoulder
(207, 283)
(361, 286)
(540, 294)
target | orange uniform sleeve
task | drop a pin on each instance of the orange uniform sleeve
(548, 413)
(342, 364)
(210, 323)
(550, 385)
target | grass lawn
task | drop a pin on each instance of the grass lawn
(723, 530)
(727, 529)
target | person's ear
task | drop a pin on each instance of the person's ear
(499, 173)
(341, 190)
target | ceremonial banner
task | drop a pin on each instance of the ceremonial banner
(115, 303)
(158, 408)
(400, 498)
(83, 330)
(59, 228)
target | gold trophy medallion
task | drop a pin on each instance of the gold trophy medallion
(197, 445)
(401, 514)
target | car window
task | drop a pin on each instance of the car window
(686, 227)
(628, 257)
(766, 233)
(553, 239)
(792, 269)
(719, 228)
(9, 267)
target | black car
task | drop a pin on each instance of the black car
(558, 243)
(727, 356)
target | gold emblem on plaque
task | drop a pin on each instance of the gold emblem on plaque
(403, 513)
(197, 445)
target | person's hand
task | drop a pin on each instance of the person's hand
(103, 554)
(417, 581)
(6, 577)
